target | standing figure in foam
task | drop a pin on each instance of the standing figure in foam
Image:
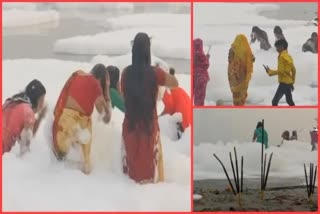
(257, 135)
(200, 72)
(141, 146)
(240, 69)
(314, 139)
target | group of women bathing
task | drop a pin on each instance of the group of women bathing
(240, 66)
(136, 95)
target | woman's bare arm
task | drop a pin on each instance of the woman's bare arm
(103, 108)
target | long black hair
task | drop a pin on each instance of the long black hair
(34, 90)
(140, 89)
(277, 29)
(32, 93)
(259, 125)
(99, 71)
(114, 75)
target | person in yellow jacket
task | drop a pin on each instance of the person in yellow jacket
(286, 73)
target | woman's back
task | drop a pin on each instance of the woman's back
(160, 81)
(85, 89)
(143, 154)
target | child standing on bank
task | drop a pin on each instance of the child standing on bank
(286, 73)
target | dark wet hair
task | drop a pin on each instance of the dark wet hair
(281, 43)
(259, 125)
(294, 132)
(99, 71)
(314, 34)
(34, 91)
(140, 89)
(256, 29)
(285, 135)
(114, 74)
(172, 71)
(277, 29)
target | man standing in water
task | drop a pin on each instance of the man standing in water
(257, 136)
(286, 72)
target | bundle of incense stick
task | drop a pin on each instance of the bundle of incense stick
(238, 184)
(312, 180)
(264, 170)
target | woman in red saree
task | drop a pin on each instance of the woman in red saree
(72, 114)
(141, 146)
(200, 72)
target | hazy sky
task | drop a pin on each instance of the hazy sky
(212, 125)
(292, 11)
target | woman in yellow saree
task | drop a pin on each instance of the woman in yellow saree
(240, 68)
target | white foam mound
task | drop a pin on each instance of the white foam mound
(21, 17)
(95, 6)
(27, 180)
(149, 20)
(287, 160)
(261, 87)
(166, 42)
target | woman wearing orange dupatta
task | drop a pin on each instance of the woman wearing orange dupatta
(72, 113)
(240, 69)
